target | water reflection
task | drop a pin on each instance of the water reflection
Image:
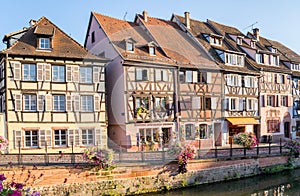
(282, 184)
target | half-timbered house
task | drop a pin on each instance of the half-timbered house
(275, 86)
(52, 91)
(291, 60)
(198, 81)
(239, 79)
(141, 88)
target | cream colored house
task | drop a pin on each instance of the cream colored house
(52, 91)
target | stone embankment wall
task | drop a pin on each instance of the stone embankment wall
(136, 178)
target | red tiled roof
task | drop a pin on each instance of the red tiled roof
(119, 30)
(177, 44)
(63, 45)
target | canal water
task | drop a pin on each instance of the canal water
(282, 184)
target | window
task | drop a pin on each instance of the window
(259, 58)
(93, 37)
(29, 72)
(141, 74)
(87, 137)
(59, 103)
(234, 104)
(234, 59)
(86, 74)
(161, 75)
(31, 138)
(273, 126)
(239, 40)
(29, 102)
(252, 44)
(58, 73)
(295, 67)
(142, 102)
(251, 104)
(149, 135)
(129, 46)
(189, 131)
(281, 79)
(208, 103)
(271, 100)
(87, 103)
(160, 104)
(203, 131)
(249, 81)
(44, 43)
(60, 137)
(189, 76)
(215, 41)
(284, 100)
(233, 80)
(275, 60)
(152, 51)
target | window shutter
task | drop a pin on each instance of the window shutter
(97, 137)
(213, 103)
(157, 75)
(165, 75)
(70, 138)
(241, 104)
(68, 103)
(208, 77)
(76, 103)
(48, 100)
(263, 104)
(47, 72)
(239, 81)
(195, 103)
(97, 103)
(195, 77)
(75, 73)
(255, 82)
(256, 105)
(40, 72)
(17, 139)
(48, 137)
(42, 138)
(69, 73)
(17, 70)
(77, 137)
(226, 103)
(228, 79)
(289, 101)
(40, 102)
(96, 74)
(18, 102)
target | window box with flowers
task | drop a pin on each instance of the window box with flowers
(3, 143)
(294, 147)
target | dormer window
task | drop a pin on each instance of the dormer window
(129, 46)
(252, 44)
(44, 43)
(272, 49)
(216, 41)
(152, 50)
(239, 40)
(234, 59)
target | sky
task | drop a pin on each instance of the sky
(276, 19)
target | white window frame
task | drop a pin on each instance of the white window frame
(30, 102)
(141, 74)
(87, 104)
(192, 132)
(58, 73)
(260, 58)
(29, 72)
(233, 104)
(59, 103)
(60, 138)
(34, 143)
(44, 43)
(87, 137)
(234, 59)
(130, 46)
(203, 134)
(86, 75)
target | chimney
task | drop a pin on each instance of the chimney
(187, 19)
(256, 33)
(32, 22)
(145, 15)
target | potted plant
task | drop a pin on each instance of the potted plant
(247, 140)
(3, 143)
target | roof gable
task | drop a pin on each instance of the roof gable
(63, 45)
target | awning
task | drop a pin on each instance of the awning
(242, 121)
